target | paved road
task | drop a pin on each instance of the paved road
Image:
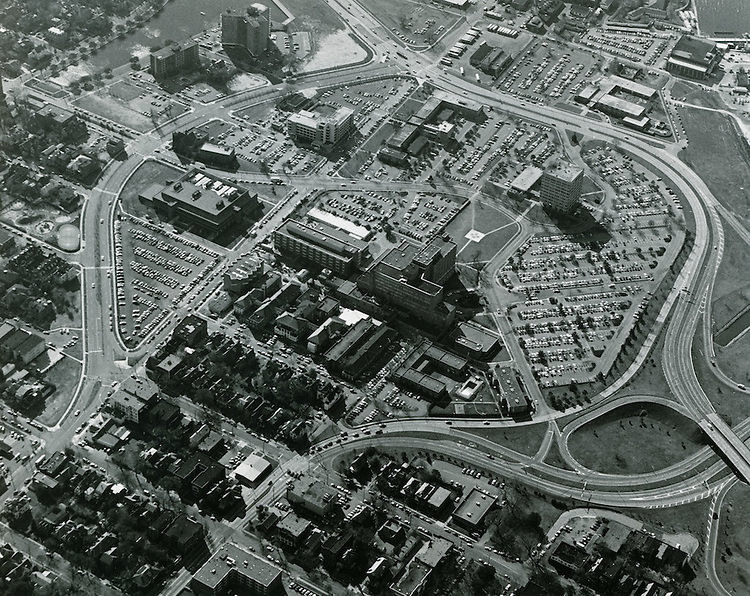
(106, 360)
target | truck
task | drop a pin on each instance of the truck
(462, 71)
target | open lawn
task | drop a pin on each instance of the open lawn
(149, 172)
(719, 155)
(314, 16)
(555, 459)
(733, 544)
(650, 379)
(696, 95)
(489, 231)
(524, 439)
(64, 376)
(623, 441)
(732, 286)
(690, 518)
(731, 404)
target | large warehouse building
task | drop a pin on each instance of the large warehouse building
(693, 58)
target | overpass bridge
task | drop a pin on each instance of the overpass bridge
(728, 443)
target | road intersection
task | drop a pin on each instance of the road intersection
(106, 360)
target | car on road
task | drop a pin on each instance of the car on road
(77, 413)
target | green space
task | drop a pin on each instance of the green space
(720, 156)
(314, 16)
(635, 439)
(555, 459)
(690, 518)
(733, 359)
(64, 376)
(524, 439)
(650, 379)
(731, 294)
(696, 95)
(733, 543)
(149, 172)
(730, 403)
(498, 230)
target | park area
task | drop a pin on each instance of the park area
(524, 439)
(719, 155)
(733, 545)
(480, 231)
(635, 439)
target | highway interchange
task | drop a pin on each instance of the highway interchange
(702, 475)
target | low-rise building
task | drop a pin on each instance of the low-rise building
(253, 470)
(292, 529)
(232, 568)
(471, 514)
(311, 495)
(359, 347)
(202, 200)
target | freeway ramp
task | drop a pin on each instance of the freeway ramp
(728, 443)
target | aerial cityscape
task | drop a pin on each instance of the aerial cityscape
(374, 297)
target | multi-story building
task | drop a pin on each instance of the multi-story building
(561, 187)
(323, 127)
(201, 200)
(250, 30)
(232, 569)
(175, 58)
(412, 277)
(322, 245)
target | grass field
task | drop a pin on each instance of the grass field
(733, 544)
(650, 379)
(720, 157)
(314, 16)
(524, 439)
(497, 229)
(64, 376)
(555, 459)
(732, 286)
(696, 95)
(732, 404)
(147, 173)
(690, 518)
(623, 442)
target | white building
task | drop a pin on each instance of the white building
(319, 129)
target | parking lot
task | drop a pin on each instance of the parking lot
(154, 271)
(502, 147)
(645, 47)
(372, 101)
(547, 71)
(417, 216)
(132, 103)
(416, 24)
(260, 148)
(573, 298)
